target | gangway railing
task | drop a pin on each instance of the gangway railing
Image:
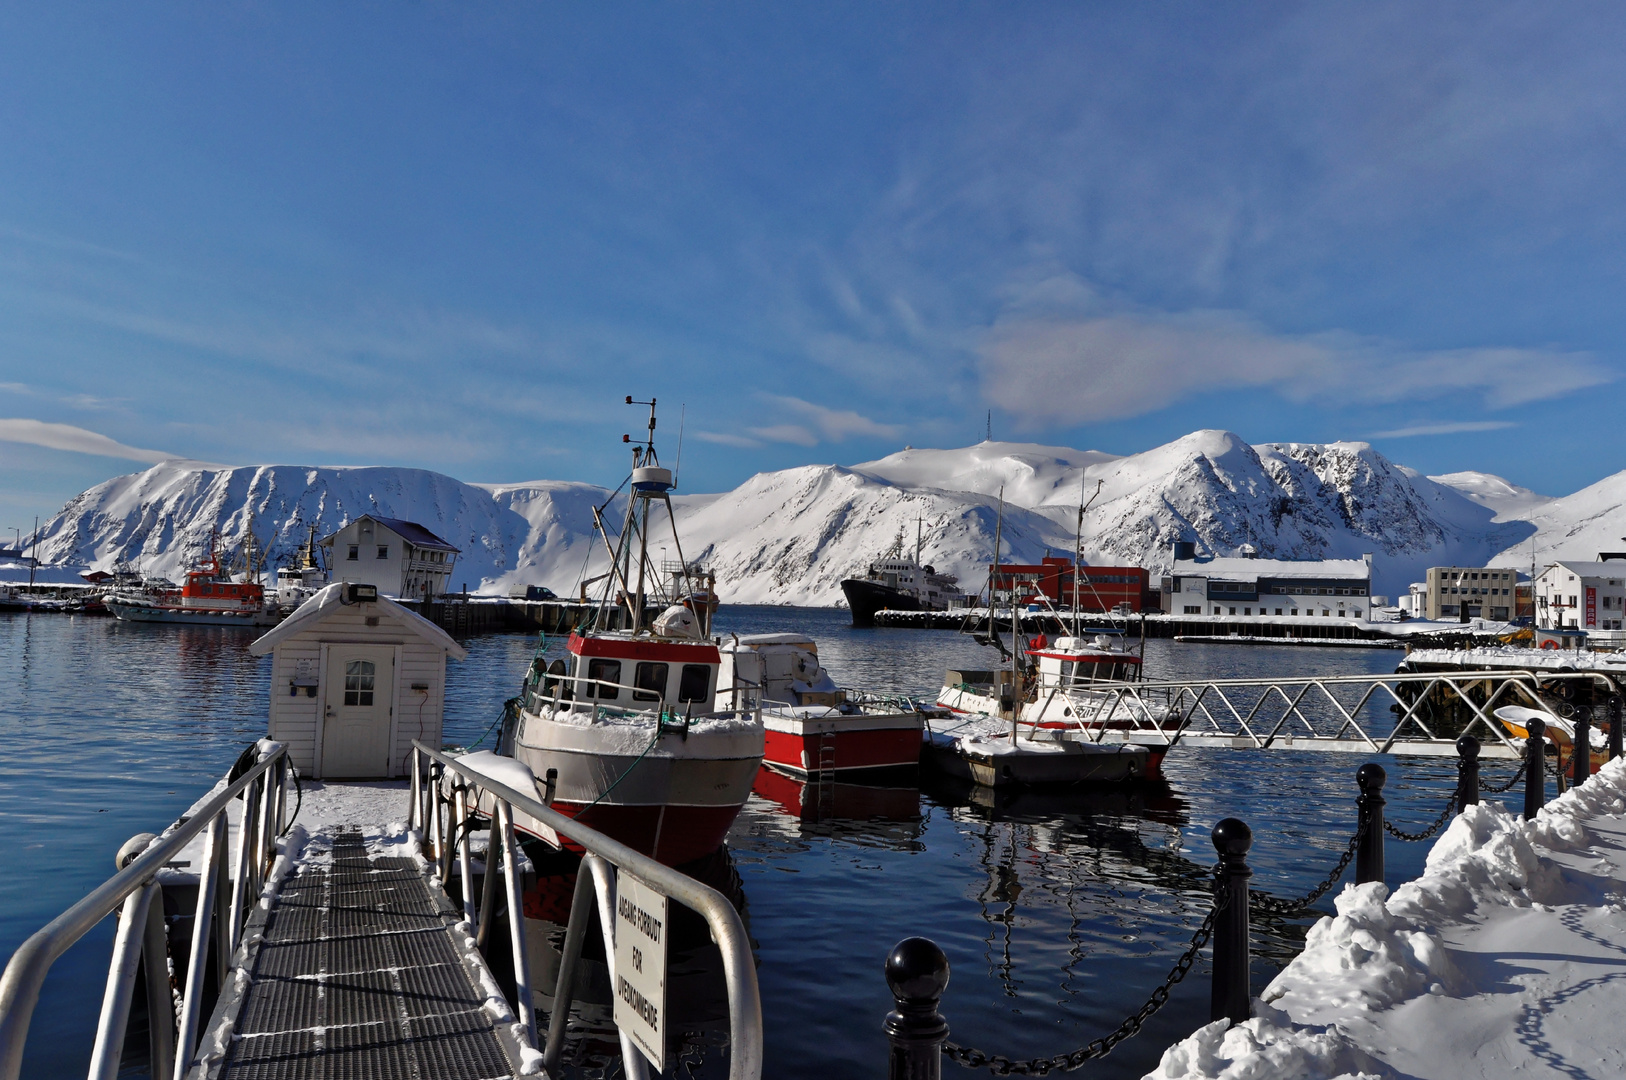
(444, 816)
(226, 896)
(1420, 713)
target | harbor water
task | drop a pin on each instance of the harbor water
(1059, 912)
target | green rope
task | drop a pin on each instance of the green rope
(660, 729)
(507, 708)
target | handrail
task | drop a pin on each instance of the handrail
(727, 928)
(133, 889)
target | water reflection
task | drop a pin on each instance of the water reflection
(696, 988)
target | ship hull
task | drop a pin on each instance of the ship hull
(865, 598)
(673, 801)
(850, 747)
(154, 613)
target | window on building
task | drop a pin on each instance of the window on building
(649, 683)
(1233, 612)
(1216, 611)
(1279, 611)
(1192, 609)
(383, 551)
(601, 672)
(358, 682)
(355, 553)
(1325, 613)
(694, 683)
(1249, 611)
(1295, 611)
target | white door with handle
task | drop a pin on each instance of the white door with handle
(356, 725)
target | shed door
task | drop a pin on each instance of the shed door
(356, 727)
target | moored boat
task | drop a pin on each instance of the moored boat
(210, 597)
(896, 582)
(626, 732)
(812, 726)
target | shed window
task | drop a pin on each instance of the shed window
(650, 682)
(383, 551)
(358, 682)
(605, 671)
(695, 682)
(355, 553)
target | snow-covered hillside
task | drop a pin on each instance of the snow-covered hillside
(791, 536)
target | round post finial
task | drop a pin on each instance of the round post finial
(1232, 837)
(1371, 777)
(1468, 746)
(917, 970)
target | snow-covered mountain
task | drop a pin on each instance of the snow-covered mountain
(791, 536)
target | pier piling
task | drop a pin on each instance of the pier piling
(918, 973)
(1230, 997)
(1369, 855)
(1467, 773)
(1535, 768)
(1581, 748)
(1614, 726)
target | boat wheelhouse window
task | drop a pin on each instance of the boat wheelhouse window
(694, 682)
(383, 551)
(358, 682)
(355, 553)
(604, 671)
(649, 682)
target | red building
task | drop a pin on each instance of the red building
(1100, 589)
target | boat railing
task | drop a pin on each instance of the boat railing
(1406, 713)
(443, 811)
(227, 890)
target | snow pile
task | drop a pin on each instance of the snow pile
(1367, 968)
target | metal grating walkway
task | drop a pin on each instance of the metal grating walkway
(357, 978)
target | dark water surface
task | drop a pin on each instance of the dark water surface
(1059, 913)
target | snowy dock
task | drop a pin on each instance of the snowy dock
(357, 962)
(1504, 958)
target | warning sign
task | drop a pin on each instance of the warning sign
(640, 966)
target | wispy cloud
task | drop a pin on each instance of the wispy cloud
(820, 423)
(725, 439)
(1060, 354)
(1443, 428)
(75, 439)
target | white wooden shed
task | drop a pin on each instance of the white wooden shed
(354, 682)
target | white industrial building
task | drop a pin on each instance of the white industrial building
(402, 558)
(1247, 587)
(1581, 594)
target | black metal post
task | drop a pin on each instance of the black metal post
(1231, 998)
(1467, 772)
(1369, 812)
(1535, 767)
(918, 973)
(1614, 727)
(1581, 746)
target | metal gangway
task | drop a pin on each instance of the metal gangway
(1420, 714)
(243, 909)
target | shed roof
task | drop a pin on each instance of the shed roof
(314, 610)
(1613, 568)
(410, 531)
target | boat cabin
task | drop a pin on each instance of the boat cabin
(1071, 663)
(636, 672)
(776, 669)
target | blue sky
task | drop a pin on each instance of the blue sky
(454, 236)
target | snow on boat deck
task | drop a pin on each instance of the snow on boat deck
(1506, 957)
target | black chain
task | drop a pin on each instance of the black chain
(1494, 790)
(1440, 821)
(1270, 905)
(999, 1065)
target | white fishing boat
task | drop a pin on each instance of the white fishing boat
(626, 732)
(991, 738)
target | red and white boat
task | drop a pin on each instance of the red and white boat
(210, 597)
(625, 733)
(811, 726)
